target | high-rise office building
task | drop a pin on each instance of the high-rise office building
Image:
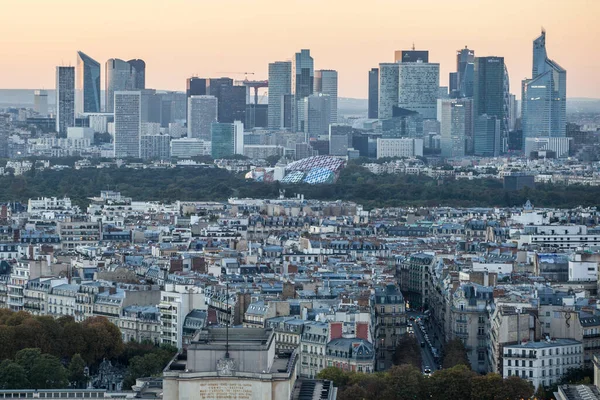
(487, 136)
(87, 85)
(139, 66)
(303, 75)
(418, 87)
(326, 82)
(373, 93)
(456, 126)
(402, 56)
(465, 63)
(231, 99)
(202, 112)
(280, 86)
(194, 86)
(65, 98)
(388, 89)
(340, 139)
(40, 102)
(128, 124)
(155, 147)
(226, 139)
(489, 95)
(119, 76)
(544, 96)
(317, 115)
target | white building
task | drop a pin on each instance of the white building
(456, 126)
(542, 363)
(99, 121)
(128, 124)
(202, 112)
(581, 269)
(388, 89)
(155, 147)
(399, 147)
(261, 152)
(418, 87)
(176, 301)
(80, 133)
(40, 102)
(558, 145)
(187, 148)
(150, 128)
(326, 82)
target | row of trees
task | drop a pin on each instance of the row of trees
(406, 382)
(31, 369)
(355, 183)
(43, 352)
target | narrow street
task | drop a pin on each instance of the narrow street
(426, 352)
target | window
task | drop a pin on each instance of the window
(509, 363)
(530, 373)
(530, 364)
(509, 372)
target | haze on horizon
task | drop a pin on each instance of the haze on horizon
(212, 38)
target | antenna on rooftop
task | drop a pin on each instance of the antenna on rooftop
(413, 47)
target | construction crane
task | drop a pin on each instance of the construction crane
(238, 73)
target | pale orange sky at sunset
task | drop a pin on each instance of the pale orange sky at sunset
(208, 38)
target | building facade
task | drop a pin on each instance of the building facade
(87, 85)
(128, 124)
(202, 112)
(65, 98)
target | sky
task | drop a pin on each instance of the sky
(213, 38)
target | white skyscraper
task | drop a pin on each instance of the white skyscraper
(280, 88)
(326, 82)
(65, 98)
(40, 102)
(238, 137)
(388, 89)
(418, 87)
(202, 112)
(128, 124)
(456, 126)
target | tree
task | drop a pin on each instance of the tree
(103, 340)
(12, 376)
(453, 383)
(487, 387)
(48, 373)
(76, 371)
(404, 382)
(455, 354)
(408, 351)
(335, 375)
(26, 358)
(516, 388)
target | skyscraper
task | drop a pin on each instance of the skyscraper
(373, 92)
(195, 86)
(226, 139)
(489, 96)
(202, 112)
(118, 76)
(388, 89)
(303, 75)
(465, 62)
(280, 85)
(326, 82)
(231, 99)
(317, 115)
(544, 97)
(487, 136)
(128, 124)
(340, 139)
(65, 98)
(418, 87)
(139, 66)
(87, 85)
(40, 102)
(456, 126)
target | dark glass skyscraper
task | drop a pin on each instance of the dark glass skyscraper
(489, 92)
(411, 56)
(87, 84)
(373, 92)
(65, 98)
(231, 99)
(303, 75)
(139, 66)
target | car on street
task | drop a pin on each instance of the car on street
(422, 344)
(427, 370)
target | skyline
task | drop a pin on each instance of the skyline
(351, 39)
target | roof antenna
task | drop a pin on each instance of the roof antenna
(413, 46)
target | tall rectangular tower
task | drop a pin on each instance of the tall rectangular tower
(87, 85)
(326, 82)
(280, 86)
(373, 92)
(202, 112)
(65, 98)
(303, 75)
(128, 124)
(418, 87)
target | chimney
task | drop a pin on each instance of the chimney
(335, 330)
(362, 330)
